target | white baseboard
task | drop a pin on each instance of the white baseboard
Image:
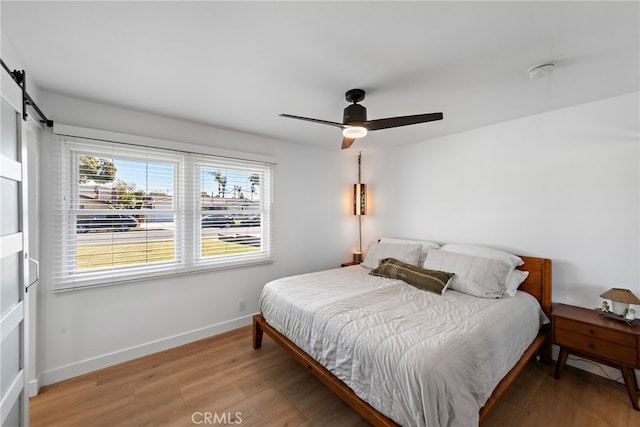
(85, 366)
(33, 387)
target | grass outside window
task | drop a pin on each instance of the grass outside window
(113, 254)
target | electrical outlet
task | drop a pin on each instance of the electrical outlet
(242, 304)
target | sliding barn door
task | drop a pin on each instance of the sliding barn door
(14, 274)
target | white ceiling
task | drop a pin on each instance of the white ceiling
(237, 65)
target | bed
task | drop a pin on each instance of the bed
(398, 354)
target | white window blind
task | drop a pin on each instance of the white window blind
(127, 212)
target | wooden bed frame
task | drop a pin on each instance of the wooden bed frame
(538, 284)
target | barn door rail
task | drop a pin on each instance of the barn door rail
(20, 77)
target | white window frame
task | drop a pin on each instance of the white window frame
(187, 160)
(265, 211)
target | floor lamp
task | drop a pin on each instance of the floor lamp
(359, 207)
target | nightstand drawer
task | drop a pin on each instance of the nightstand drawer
(597, 347)
(594, 331)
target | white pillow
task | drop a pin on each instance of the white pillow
(408, 253)
(483, 251)
(426, 245)
(515, 279)
(477, 276)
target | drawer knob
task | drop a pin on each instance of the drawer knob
(592, 332)
(591, 346)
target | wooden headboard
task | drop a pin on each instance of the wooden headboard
(538, 283)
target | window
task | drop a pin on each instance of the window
(127, 212)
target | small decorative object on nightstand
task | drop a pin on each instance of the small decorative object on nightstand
(620, 300)
(583, 332)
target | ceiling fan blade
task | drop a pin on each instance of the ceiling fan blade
(394, 122)
(323, 122)
(346, 142)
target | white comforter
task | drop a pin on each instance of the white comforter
(419, 358)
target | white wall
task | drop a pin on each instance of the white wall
(88, 329)
(12, 59)
(564, 185)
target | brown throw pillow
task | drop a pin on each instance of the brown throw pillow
(429, 280)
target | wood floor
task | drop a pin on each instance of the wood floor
(222, 380)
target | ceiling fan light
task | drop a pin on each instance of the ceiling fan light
(354, 132)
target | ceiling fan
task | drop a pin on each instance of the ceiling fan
(354, 120)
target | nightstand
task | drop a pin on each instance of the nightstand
(347, 264)
(583, 332)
